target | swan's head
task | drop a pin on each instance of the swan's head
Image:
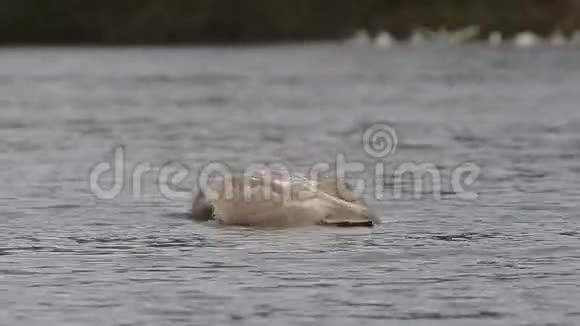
(201, 209)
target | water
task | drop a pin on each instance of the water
(510, 257)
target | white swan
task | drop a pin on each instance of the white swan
(264, 200)
(495, 38)
(384, 40)
(526, 40)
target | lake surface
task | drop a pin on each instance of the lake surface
(511, 256)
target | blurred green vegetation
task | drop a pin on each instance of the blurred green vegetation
(242, 21)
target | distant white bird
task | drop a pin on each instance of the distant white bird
(464, 35)
(495, 38)
(360, 38)
(271, 200)
(418, 37)
(384, 40)
(444, 36)
(526, 40)
(575, 39)
(558, 39)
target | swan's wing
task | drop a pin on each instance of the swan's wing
(344, 213)
(265, 202)
(338, 187)
(271, 213)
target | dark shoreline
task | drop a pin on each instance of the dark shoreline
(259, 22)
